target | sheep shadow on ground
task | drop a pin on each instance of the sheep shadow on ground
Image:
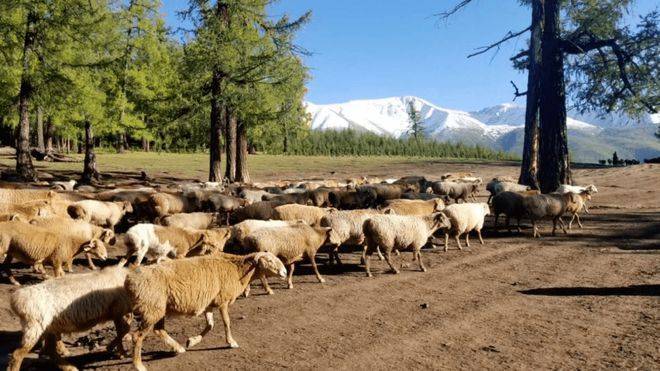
(9, 341)
(632, 290)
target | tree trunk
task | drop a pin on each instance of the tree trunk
(49, 133)
(41, 146)
(230, 145)
(285, 140)
(529, 166)
(242, 172)
(145, 144)
(90, 173)
(554, 165)
(80, 142)
(24, 168)
(215, 166)
(121, 143)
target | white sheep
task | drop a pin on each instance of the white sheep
(159, 242)
(74, 303)
(400, 232)
(196, 220)
(497, 186)
(291, 244)
(566, 188)
(309, 214)
(102, 213)
(192, 287)
(64, 186)
(246, 227)
(347, 230)
(465, 218)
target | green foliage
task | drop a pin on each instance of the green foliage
(415, 119)
(352, 143)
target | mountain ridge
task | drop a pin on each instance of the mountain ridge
(591, 137)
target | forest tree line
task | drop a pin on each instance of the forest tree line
(79, 74)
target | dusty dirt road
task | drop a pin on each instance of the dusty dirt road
(587, 300)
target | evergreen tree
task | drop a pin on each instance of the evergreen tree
(416, 128)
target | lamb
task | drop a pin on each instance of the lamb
(576, 205)
(465, 218)
(454, 190)
(197, 220)
(36, 245)
(74, 303)
(414, 207)
(551, 205)
(246, 227)
(347, 230)
(290, 244)
(162, 204)
(105, 214)
(309, 214)
(159, 242)
(76, 229)
(399, 232)
(496, 186)
(191, 287)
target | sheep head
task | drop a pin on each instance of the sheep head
(439, 205)
(107, 236)
(441, 221)
(269, 264)
(96, 247)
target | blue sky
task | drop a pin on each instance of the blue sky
(382, 48)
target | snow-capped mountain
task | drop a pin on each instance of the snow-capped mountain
(591, 137)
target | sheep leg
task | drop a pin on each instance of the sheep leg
(159, 329)
(367, 264)
(123, 326)
(90, 262)
(138, 338)
(194, 340)
(335, 253)
(380, 255)
(388, 259)
(467, 238)
(51, 347)
(68, 266)
(10, 276)
(264, 283)
(140, 256)
(289, 279)
(518, 224)
(562, 224)
(458, 241)
(586, 209)
(479, 234)
(578, 220)
(446, 242)
(224, 311)
(30, 338)
(495, 222)
(57, 268)
(418, 254)
(312, 259)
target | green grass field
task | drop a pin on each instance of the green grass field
(195, 165)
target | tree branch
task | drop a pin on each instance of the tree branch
(448, 13)
(509, 35)
(517, 92)
(523, 53)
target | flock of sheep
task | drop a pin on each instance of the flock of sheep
(206, 242)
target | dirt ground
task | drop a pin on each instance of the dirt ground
(586, 300)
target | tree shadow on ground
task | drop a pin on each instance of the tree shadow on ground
(633, 290)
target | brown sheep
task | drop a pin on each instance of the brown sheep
(36, 245)
(192, 287)
(413, 207)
